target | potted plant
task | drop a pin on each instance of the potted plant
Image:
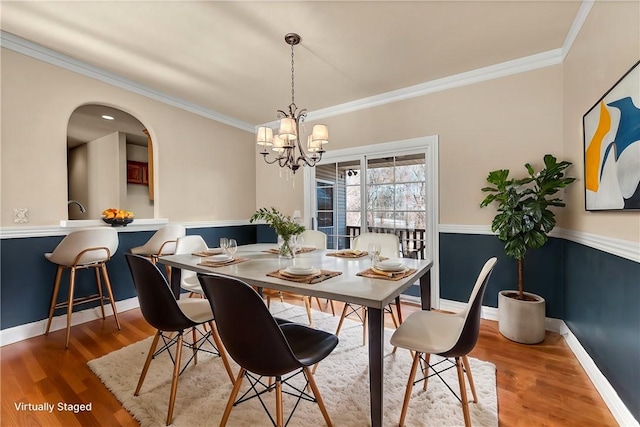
(284, 226)
(523, 222)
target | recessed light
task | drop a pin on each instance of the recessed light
(104, 116)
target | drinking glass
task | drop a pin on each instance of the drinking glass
(374, 253)
(299, 243)
(224, 244)
(232, 246)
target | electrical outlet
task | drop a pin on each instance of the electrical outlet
(20, 215)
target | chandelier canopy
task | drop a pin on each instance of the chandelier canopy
(286, 143)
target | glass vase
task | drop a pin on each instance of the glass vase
(286, 247)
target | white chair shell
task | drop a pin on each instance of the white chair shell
(188, 245)
(163, 241)
(80, 240)
(314, 238)
(389, 243)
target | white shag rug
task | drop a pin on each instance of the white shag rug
(342, 378)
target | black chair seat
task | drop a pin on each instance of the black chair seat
(309, 345)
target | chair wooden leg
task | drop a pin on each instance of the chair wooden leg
(174, 380)
(342, 316)
(316, 393)
(232, 397)
(425, 371)
(467, 368)
(307, 306)
(409, 389)
(333, 309)
(147, 362)
(54, 297)
(393, 318)
(399, 309)
(107, 284)
(223, 354)
(279, 408)
(99, 285)
(463, 393)
(72, 283)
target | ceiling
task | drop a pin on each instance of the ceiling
(230, 56)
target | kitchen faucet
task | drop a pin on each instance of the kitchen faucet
(75, 202)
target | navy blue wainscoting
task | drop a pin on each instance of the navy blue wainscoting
(602, 293)
(27, 277)
(463, 255)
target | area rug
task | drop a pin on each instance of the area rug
(342, 378)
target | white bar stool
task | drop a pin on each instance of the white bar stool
(163, 242)
(89, 248)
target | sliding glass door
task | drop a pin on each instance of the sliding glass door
(384, 188)
(381, 194)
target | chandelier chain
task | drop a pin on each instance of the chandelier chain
(292, 78)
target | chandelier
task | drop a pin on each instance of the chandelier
(286, 144)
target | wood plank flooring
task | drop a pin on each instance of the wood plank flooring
(541, 385)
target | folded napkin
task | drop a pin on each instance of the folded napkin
(375, 273)
(310, 279)
(208, 252)
(210, 263)
(349, 253)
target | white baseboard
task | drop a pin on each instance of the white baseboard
(34, 329)
(600, 382)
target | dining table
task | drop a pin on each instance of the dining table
(375, 293)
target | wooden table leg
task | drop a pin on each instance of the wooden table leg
(376, 364)
(425, 291)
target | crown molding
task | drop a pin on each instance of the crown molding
(576, 26)
(521, 65)
(36, 51)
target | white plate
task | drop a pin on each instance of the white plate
(301, 271)
(220, 258)
(390, 266)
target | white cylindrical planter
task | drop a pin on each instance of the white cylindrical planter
(521, 321)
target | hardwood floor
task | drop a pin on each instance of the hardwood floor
(541, 385)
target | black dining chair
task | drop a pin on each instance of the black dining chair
(170, 316)
(450, 335)
(263, 348)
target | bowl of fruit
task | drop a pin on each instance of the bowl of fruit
(117, 217)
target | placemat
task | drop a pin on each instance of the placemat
(223, 263)
(348, 254)
(324, 275)
(298, 251)
(208, 252)
(386, 275)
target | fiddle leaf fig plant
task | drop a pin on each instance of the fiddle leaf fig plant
(524, 219)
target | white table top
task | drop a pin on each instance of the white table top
(348, 287)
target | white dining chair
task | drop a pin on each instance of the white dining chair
(390, 248)
(188, 279)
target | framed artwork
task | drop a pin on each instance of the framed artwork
(612, 147)
(137, 172)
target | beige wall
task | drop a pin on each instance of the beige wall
(205, 170)
(607, 46)
(501, 123)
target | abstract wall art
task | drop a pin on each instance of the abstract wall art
(612, 147)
